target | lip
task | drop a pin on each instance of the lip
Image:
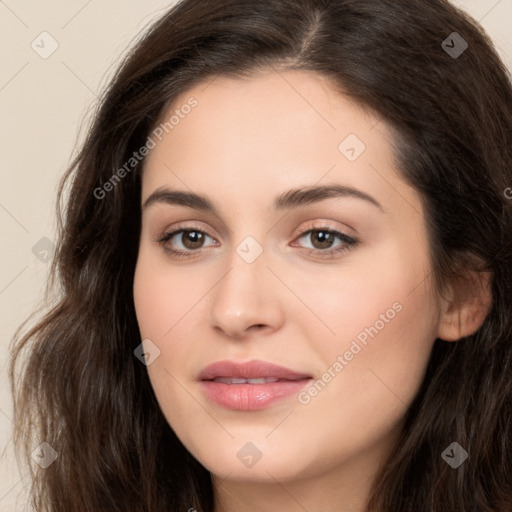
(248, 397)
(250, 370)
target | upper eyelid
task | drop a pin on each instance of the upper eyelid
(223, 228)
(167, 232)
(191, 227)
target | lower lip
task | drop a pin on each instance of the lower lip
(251, 397)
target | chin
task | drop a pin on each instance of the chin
(257, 461)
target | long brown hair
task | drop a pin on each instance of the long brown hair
(81, 389)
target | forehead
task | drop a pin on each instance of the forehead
(277, 113)
(270, 132)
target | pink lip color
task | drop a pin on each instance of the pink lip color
(250, 397)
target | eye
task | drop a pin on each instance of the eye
(186, 242)
(181, 243)
(325, 241)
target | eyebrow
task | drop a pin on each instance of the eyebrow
(294, 198)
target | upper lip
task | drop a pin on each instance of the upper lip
(249, 370)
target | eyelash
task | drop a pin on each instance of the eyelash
(349, 242)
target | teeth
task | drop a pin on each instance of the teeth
(240, 380)
(231, 381)
(261, 380)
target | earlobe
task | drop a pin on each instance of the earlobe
(466, 309)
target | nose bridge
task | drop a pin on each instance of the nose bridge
(244, 297)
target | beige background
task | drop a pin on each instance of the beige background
(43, 103)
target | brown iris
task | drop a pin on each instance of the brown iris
(324, 238)
(192, 239)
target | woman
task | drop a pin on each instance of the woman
(285, 267)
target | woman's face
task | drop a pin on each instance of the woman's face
(305, 249)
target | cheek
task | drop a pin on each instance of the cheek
(164, 305)
(380, 306)
(373, 332)
(372, 367)
(161, 297)
(171, 313)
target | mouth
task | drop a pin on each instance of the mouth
(241, 380)
(250, 386)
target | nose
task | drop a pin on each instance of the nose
(246, 300)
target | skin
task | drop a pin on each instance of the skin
(246, 142)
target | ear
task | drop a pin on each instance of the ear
(466, 306)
